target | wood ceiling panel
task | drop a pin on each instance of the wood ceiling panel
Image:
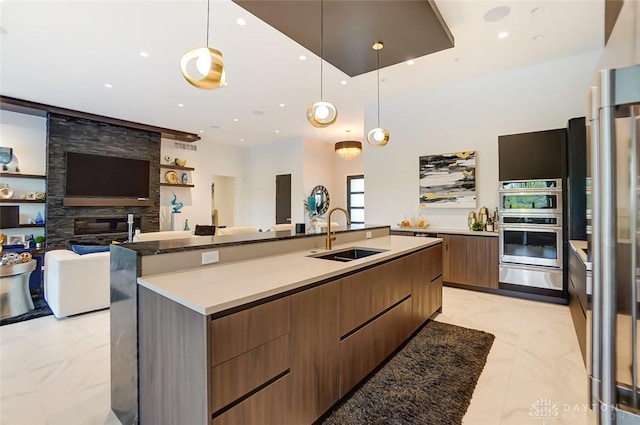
(409, 29)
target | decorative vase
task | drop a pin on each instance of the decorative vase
(186, 224)
(39, 219)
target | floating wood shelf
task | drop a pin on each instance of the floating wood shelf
(106, 202)
(31, 225)
(177, 167)
(23, 176)
(176, 185)
(22, 201)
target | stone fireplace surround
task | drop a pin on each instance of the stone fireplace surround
(69, 134)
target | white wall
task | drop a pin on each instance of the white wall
(469, 115)
(27, 135)
(262, 164)
(210, 159)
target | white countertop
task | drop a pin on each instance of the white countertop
(443, 230)
(216, 288)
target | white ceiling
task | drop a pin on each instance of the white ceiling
(63, 52)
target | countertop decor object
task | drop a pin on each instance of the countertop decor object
(180, 162)
(379, 136)
(321, 113)
(205, 61)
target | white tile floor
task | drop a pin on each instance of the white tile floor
(56, 372)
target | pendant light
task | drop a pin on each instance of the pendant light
(348, 149)
(321, 114)
(206, 63)
(379, 136)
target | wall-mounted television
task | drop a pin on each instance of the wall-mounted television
(106, 176)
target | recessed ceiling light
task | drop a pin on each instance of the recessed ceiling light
(497, 13)
(343, 82)
(277, 131)
(347, 131)
(144, 54)
(242, 140)
(410, 62)
(282, 105)
(226, 83)
(241, 21)
(302, 57)
(214, 126)
(201, 131)
(236, 120)
(538, 37)
(107, 85)
(258, 112)
(503, 34)
(536, 10)
(457, 59)
(180, 105)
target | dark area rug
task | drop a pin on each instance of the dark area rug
(430, 381)
(41, 309)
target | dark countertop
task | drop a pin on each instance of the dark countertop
(204, 242)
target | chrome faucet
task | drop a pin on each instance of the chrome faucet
(333, 238)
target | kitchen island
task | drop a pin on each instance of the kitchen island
(280, 338)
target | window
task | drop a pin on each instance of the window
(355, 198)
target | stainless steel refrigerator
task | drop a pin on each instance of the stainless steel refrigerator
(614, 360)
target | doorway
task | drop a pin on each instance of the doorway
(222, 200)
(283, 199)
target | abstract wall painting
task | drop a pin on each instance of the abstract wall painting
(448, 180)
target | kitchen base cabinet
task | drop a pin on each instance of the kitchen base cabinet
(365, 349)
(267, 406)
(286, 361)
(315, 352)
(470, 260)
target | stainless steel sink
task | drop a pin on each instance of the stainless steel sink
(348, 254)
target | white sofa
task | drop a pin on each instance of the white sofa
(162, 236)
(75, 283)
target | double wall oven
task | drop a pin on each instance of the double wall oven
(531, 238)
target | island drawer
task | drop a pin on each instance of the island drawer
(364, 295)
(362, 351)
(236, 377)
(268, 406)
(240, 332)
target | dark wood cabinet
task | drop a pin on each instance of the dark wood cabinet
(470, 260)
(315, 352)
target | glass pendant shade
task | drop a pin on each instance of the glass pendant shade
(348, 149)
(322, 114)
(203, 67)
(378, 137)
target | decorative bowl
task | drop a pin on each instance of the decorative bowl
(181, 162)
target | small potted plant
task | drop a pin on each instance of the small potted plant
(39, 241)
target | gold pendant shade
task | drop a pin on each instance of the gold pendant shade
(322, 114)
(203, 67)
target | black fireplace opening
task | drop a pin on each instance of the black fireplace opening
(101, 225)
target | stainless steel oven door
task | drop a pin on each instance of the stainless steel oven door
(543, 202)
(527, 245)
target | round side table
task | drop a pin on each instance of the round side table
(15, 298)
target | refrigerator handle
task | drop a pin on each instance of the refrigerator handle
(633, 227)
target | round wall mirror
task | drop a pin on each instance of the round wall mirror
(320, 194)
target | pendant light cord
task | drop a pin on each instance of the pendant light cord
(321, 43)
(378, 77)
(208, 18)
